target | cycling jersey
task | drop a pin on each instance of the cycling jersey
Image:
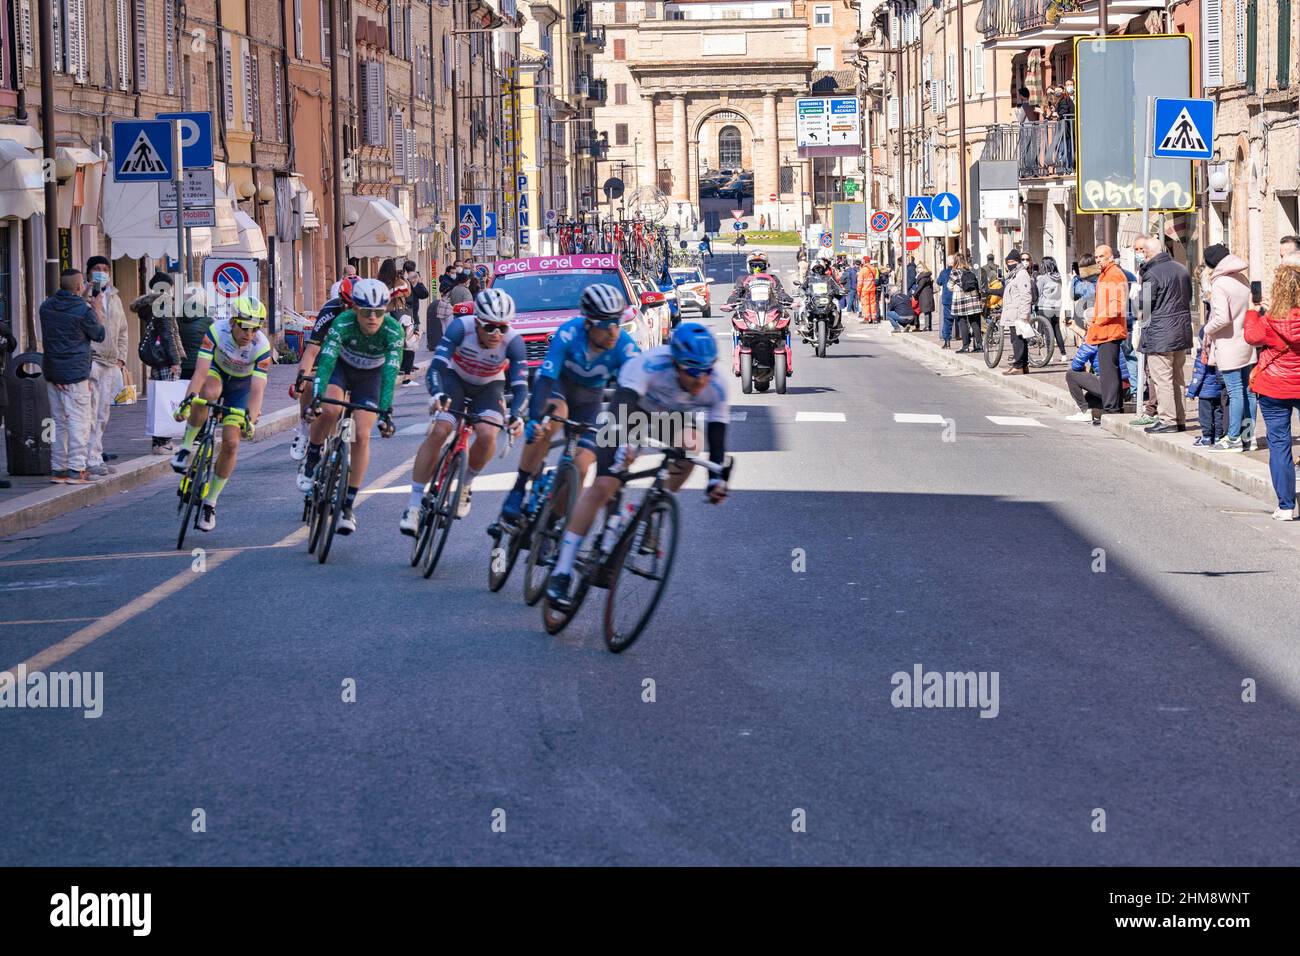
(325, 318)
(574, 371)
(231, 359)
(347, 343)
(462, 355)
(652, 376)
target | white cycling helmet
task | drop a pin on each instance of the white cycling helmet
(492, 307)
(369, 294)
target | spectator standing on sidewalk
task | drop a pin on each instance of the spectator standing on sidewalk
(160, 340)
(1108, 326)
(868, 277)
(68, 325)
(923, 292)
(1017, 309)
(945, 301)
(1167, 335)
(1277, 380)
(849, 301)
(967, 305)
(1225, 338)
(1207, 388)
(1048, 283)
(108, 359)
(460, 291)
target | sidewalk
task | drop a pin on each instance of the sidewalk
(34, 499)
(1245, 471)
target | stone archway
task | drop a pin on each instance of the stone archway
(707, 141)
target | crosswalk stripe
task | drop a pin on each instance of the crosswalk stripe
(739, 414)
(1015, 421)
(819, 417)
(911, 418)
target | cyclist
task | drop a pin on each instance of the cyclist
(358, 361)
(233, 362)
(585, 354)
(758, 264)
(678, 379)
(478, 356)
(310, 349)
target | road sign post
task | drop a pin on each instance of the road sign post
(178, 177)
(1146, 231)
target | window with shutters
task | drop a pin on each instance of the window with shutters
(620, 94)
(297, 28)
(825, 58)
(1283, 44)
(1252, 44)
(257, 97)
(408, 30)
(374, 113)
(56, 31)
(248, 87)
(228, 79)
(977, 53)
(169, 45)
(620, 49)
(78, 62)
(279, 101)
(141, 54)
(951, 76)
(123, 25)
(1240, 46)
(620, 13)
(392, 29)
(399, 144)
(620, 134)
(446, 62)
(1211, 43)
(325, 27)
(937, 100)
(893, 112)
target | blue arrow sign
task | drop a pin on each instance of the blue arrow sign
(918, 209)
(946, 207)
(196, 138)
(1183, 129)
(471, 213)
(142, 151)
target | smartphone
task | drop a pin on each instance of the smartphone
(1257, 292)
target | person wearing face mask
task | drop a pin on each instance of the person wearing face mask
(460, 291)
(108, 358)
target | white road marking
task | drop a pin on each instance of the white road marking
(739, 415)
(1015, 421)
(819, 417)
(910, 418)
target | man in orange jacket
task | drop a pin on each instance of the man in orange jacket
(867, 276)
(1109, 327)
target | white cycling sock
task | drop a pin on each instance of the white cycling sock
(568, 551)
(417, 494)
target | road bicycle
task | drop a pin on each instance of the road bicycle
(541, 524)
(323, 505)
(635, 546)
(441, 501)
(1040, 344)
(198, 470)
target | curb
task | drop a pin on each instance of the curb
(1237, 471)
(27, 511)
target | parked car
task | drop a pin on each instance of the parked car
(657, 310)
(692, 289)
(547, 289)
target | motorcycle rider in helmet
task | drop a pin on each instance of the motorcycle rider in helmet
(758, 264)
(821, 272)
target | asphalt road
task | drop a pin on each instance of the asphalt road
(849, 551)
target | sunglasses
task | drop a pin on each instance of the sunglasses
(695, 372)
(494, 328)
(603, 324)
(370, 313)
(249, 324)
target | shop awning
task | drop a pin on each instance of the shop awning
(250, 244)
(22, 187)
(380, 230)
(130, 220)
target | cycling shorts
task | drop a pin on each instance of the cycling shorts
(362, 385)
(584, 406)
(487, 400)
(235, 390)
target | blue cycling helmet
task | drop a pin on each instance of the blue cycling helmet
(693, 346)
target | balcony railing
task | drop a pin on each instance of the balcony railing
(593, 38)
(591, 91)
(1042, 150)
(596, 148)
(1008, 18)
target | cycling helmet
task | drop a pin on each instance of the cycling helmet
(602, 303)
(693, 346)
(346, 285)
(248, 312)
(757, 262)
(369, 294)
(492, 306)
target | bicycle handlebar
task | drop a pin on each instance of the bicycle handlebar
(568, 423)
(349, 406)
(214, 406)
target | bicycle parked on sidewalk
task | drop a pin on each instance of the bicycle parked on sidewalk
(1040, 345)
(323, 505)
(198, 471)
(637, 544)
(441, 502)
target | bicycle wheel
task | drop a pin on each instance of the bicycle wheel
(505, 552)
(336, 497)
(556, 619)
(318, 501)
(444, 511)
(548, 532)
(1041, 345)
(639, 571)
(196, 479)
(993, 344)
(423, 529)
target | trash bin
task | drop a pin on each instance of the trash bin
(27, 416)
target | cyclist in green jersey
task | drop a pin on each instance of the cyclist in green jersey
(358, 361)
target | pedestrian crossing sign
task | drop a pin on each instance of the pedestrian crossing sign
(918, 209)
(142, 151)
(1183, 129)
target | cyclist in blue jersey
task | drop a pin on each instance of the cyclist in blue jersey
(585, 354)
